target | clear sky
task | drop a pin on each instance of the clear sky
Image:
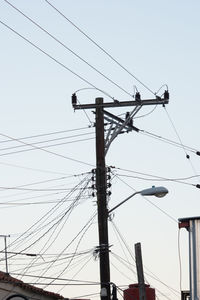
(158, 42)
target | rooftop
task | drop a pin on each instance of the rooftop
(6, 278)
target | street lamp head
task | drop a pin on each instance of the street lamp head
(159, 191)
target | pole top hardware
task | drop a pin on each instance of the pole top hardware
(138, 101)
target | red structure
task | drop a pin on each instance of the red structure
(132, 293)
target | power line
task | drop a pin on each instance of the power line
(35, 190)
(31, 169)
(52, 58)
(67, 48)
(41, 147)
(157, 178)
(54, 278)
(152, 275)
(47, 134)
(51, 140)
(47, 151)
(80, 269)
(65, 213)
(101, 48)
(179, 138)
(83, 231)
(168, 141)
(18, 240)
(50, 180)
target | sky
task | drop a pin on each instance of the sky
(47, 150)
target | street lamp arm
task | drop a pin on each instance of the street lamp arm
(159, 192)
(123, 201)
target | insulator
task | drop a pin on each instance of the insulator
(93, 186)
(198, 186)
(92, 178)
(93, 171)
(93, 194)
(166, 95)
(109, 193)
(198, 153)
(138, 97)
(187, 156)
(109, 185)
(74, 99)
(108, 177)
(108, 169)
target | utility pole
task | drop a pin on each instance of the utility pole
(117, 126)
(102, 202)
(6, 256)
(140, 273)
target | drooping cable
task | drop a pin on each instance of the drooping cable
(43, 249)
(83, 231)
(29, 231)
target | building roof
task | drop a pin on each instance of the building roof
(6, 278)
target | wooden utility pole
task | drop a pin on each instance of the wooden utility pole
(102, 202)
(102, 146)
(140, 273)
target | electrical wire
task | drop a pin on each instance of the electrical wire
(51, 140)
(149, 273)
(31, 169)
(147, 114)
(150, 202)
(42, 182)
(101, 48)
(84, 230)
(120, 272)
(43, 147)
(158, 178)
(47, 151)
(168, 141)
(54, 227)
(45, 216)
(179, 138)
(52, 58)
(78, 257)
(53, 211)
(53, 278)
(67, 48)
(81, 268)
(119, 237)
(46, 134)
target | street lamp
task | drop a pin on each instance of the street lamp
(159, 192)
